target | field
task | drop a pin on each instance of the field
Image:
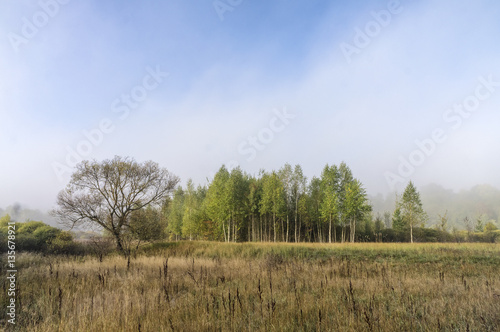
(204, 286)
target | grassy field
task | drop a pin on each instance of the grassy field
(203, 286)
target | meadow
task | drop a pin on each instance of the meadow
(208, 286)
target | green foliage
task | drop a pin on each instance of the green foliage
(63, 244)
(273, 199)
(314, 199)
(34, 236)
(330, 200)
(479, 224)
(490, 227)
(283, 206)
(398, 223)
(5, 220)
(238, 188)
(29, 227)
(217, 203)
(436, 200)
(147, 224)
(443, 222)
(356, 204)
(411, 208)
(378, 224)
(176, 213)
(194, 214)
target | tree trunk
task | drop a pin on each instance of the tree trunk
(353, 231)
(119, 245)
(224, 229)
(287, 227)
(330, 231)
(253, 229)
(282, 231)
(300, 222)
(274, 225)
(268, 229)
(335, 233)
(261, 228)
(296, 203)
(319, 234)
(411, 233)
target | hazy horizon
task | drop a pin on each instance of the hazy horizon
(399, 91)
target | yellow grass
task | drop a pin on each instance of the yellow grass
(202, 286)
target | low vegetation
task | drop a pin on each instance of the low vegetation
(207, 286)
(36, 236)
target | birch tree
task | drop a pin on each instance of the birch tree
(411, 208)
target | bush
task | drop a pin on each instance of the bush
(36, 236)
(419, 235)
(63, 244)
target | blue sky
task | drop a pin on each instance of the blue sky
(227, 80)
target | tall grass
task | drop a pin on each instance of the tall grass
(202, 286)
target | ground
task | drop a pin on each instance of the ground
(208, 286)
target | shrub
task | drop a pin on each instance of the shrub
(63, 244)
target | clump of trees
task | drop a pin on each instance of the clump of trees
(135, 203)
(285, 206)
(273, 206)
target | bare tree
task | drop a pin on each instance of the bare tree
(107, 193)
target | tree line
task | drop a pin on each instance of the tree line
(133, 203)
(274, 206)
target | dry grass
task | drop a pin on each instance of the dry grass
(267, 287)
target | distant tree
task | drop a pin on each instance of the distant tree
(273, 199)
(286, 176)
(468, 226)
(191, 217)
(330, 203)
(411, 208)
(299, 183)
(345, 178)
(175, 213)
(387, 220)
(397, 219)
(356, 205)
(254, 197)
(443, 222)
(303, 215)
(379, 224)
(368, 226)
(315, 197)
(479, 224)
(490, 227)
(238, 188)
(218, 202)
(107, 193)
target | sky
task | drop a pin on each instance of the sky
(399, 90)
